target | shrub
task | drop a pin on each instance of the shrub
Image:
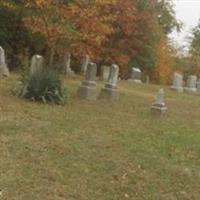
(45, 86)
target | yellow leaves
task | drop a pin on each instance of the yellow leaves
(163, 70)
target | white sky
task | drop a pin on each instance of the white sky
(188, 11)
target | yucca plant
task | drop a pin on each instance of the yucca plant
(43, 85)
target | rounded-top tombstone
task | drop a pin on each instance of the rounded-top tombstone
(136, 75)
(37, 62)
(177, 82)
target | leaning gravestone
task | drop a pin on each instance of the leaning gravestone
(67, 64)
(105, 71)
(37, 62)
(3, 66)
(159, 106)
(87, 90)
(191, 83)
(136, 75)
(110, 89)
(85, 63)
(177, 82)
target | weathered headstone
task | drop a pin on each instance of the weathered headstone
(67, 64)
(177, 82)
(191, 85)
(37, 62)
(105, 71)
(87, 90)
(159, 106)
(85, 63)
(110, 89)
(198, 86)
(3, 66)
(136, 75)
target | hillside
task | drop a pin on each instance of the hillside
(99, 150)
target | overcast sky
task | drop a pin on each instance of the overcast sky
(188, 11)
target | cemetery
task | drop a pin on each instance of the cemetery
(96, 102)
(89, 143)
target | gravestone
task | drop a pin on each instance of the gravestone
(37, 62)
(87, 89)
(105, 71)
(159, 106)
(191, 85)
(147, 79)
(3, 66)
(110, 89)
(177, 82)
(198, 86)
(67, 64)
(136, 75)
(85, 63)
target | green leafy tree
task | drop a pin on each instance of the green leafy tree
(159, 20)
(194, 51)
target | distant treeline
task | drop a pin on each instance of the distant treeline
(126, 32)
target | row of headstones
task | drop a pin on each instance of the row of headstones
(67, 64)
(105, 70)
(87, 89)
(192, 83)
(110, 74)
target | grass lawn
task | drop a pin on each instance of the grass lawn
(99, 150)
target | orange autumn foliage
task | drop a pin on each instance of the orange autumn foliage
(80, 27)
(105, 29)
(163, 69)
(109, 31)
(93, 22)
(122, 45)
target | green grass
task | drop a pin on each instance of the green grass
(99, 150)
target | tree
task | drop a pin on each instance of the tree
(158, 20)
(78, 26)
(194, 51)
(163, 69)
(51, 23)
(125, 32)
(14, 37)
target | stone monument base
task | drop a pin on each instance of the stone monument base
(178, 89)
(109, 93)
(135, 80)
(158, 109)
(4, 71)
(190, 90)
(87, 93)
